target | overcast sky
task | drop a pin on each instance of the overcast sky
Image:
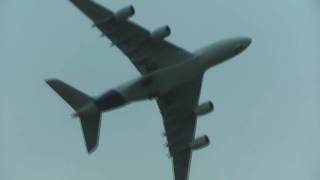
(267, 120)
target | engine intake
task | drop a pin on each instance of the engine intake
(160, 33)
(200, 142)
(125, 13)
(203, 109)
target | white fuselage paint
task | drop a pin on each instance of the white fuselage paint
(164, 80)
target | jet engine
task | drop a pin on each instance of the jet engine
(200, 142)
(125, 13)
(160, 33)
(203, 109)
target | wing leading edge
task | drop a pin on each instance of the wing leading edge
(133, 40)
(176, 109)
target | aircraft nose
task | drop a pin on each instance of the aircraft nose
(242, 44)
(247, 41)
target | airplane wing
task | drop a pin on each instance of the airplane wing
(176, 109)
(133, 40)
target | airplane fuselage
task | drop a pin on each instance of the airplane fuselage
(162, 81)
(170, 74)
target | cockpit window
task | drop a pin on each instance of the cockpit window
(238, 48)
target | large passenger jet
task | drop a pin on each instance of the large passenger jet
(170, 75)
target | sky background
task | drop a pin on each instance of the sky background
(266, 124)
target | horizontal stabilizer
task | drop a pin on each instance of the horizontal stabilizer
(89, 114)
(75, 98)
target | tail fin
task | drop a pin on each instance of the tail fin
(89, 114)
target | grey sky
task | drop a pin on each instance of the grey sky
(267, 119)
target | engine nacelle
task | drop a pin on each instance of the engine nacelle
(125, 13)
(160, 33)
(203, 109)
(200, 142)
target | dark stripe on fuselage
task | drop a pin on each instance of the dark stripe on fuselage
(110, 100)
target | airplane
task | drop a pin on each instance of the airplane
(170, 75)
